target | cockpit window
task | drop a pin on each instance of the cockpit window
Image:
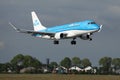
(91, 23)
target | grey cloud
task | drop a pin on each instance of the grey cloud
(1, 44)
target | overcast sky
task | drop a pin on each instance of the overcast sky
(58, 12)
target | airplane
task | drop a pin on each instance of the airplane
(83, 30)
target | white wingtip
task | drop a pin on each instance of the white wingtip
(18, 30)
(100, 28)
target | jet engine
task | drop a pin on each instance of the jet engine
(60, 35)
(85, 36)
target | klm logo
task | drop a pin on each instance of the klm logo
(36, 23)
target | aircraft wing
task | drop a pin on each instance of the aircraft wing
(31, 31)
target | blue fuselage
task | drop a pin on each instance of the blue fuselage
(84, 25)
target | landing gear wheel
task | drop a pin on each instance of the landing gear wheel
(56, 42)
(90, 39)
(73, 42)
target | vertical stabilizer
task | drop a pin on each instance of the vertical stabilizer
(36, 22)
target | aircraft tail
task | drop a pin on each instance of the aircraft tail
(36, 22)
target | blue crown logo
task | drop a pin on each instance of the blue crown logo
(36, 23)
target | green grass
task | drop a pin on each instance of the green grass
(57, 77)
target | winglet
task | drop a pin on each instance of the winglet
(100, 28)
(18, 30)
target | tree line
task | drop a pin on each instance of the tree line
(107, 65)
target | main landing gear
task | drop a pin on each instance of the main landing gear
(56, 42)
(73, 42)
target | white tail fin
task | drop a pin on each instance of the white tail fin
(36, 22)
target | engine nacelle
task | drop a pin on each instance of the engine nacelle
(85, 36)
(60, 35)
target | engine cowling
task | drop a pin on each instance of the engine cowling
(85, 37)
(60, 35)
